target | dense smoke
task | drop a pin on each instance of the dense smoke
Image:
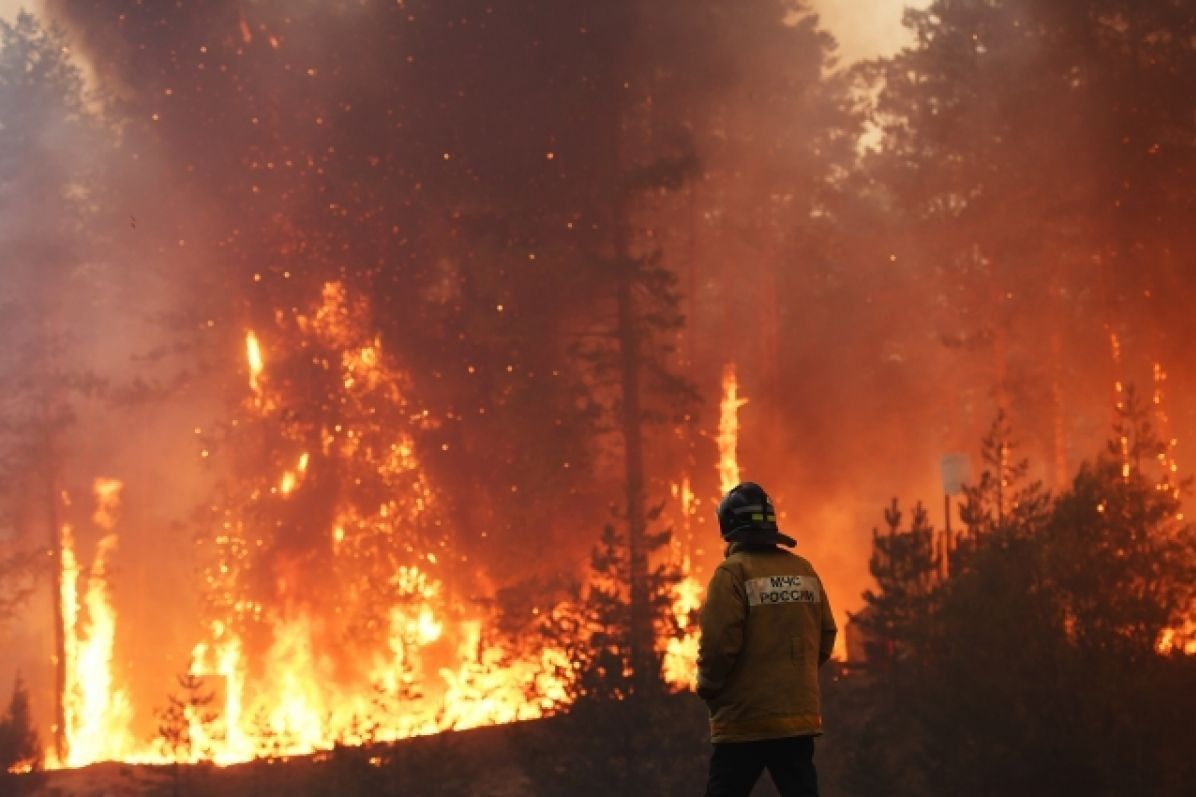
(451, 165)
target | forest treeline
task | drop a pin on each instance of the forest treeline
(1033, 655)
(1043, 651)
(1043, 647)
(559, 220)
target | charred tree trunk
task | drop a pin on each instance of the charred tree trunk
(641, 635)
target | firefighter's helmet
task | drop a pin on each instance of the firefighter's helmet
(746, 514)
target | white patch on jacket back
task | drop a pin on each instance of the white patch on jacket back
(773, 590)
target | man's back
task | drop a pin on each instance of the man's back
(766, 628)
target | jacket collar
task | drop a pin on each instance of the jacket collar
(750, 545)
(754, 538)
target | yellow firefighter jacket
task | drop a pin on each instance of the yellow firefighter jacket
(766, 627)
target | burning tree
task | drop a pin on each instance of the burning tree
(1125, 518)
(330, 505)
(46, 180)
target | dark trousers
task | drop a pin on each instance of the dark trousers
(736, 766)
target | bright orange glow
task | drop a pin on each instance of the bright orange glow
(1182, 639)
(1167, 460)
(1173, 640)
(680, 662)
(728, 430)
(69, 602)
(253, 356)
(301, 706)
(680, 653)
(291, 479)
(683, 492)
(97, 713)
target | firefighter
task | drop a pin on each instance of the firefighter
(766, 628)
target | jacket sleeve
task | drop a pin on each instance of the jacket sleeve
(826, 644)
(721, 623)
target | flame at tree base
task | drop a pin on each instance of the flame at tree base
(95, 713)
(297, 706)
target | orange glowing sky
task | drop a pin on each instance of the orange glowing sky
(864, 28)
(9, 8)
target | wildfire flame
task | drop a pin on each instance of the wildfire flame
(253, 356)
(96, 714)
(1182, 639)
(1166, 457)
(680, 654)
(429, 667)
(1177, 640)
(679, 665)
(728, 430)
(280, 674)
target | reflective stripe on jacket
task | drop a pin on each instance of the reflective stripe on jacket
(766, 627)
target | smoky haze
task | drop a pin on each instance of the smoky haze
(451, 166)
